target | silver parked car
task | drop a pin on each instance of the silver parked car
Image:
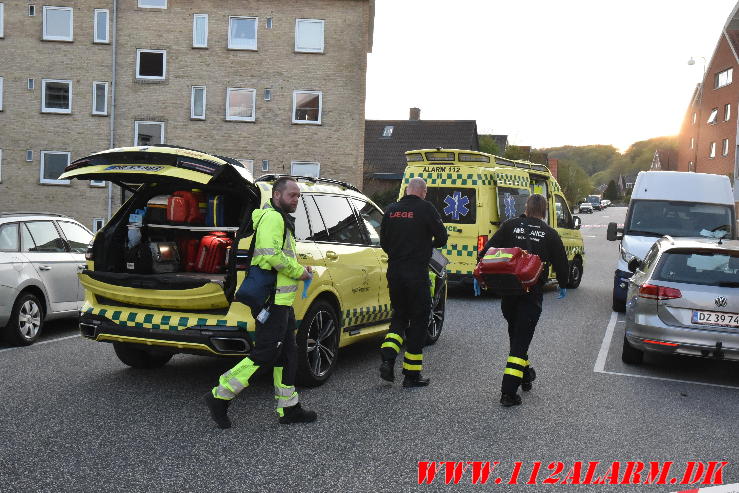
(40, 256)
(684, 299)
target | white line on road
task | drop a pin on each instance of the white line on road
(40, 343)
(600, 362)
(669, 379)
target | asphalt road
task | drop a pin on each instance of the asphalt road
(73, 418)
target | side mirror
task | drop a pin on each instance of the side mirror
(612, 233)
(576, 222)
(635, 264)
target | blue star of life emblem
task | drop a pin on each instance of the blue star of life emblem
(456, 205)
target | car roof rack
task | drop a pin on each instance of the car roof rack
(27, 213)
(311, 179)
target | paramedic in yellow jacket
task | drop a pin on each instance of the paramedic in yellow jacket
(275, 345)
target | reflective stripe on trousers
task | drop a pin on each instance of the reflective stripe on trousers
(412, 362)
(516, 367)
(392, 342)
(286, 395)
(235, 380)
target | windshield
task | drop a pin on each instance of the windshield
(663, 217)
(716, 268)
(593, 199)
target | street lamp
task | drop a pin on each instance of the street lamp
(699, 121)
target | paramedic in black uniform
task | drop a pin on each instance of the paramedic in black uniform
(411, 228)
(522, 311)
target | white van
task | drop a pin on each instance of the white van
(669, 203)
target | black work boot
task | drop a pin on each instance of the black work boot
(218, 409)
(386, 370)
(296, 414)
(528, 377)
(508, 400)
(415, 380)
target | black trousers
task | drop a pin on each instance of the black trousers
(522, 314)
(275, 342)
(410, 297)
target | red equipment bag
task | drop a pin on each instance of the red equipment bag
(189, 248)
(213, 252)
(508, 271)
(183, 207)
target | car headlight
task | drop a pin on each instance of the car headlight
(626, 255)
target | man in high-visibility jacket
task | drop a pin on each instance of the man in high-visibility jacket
(275, 345)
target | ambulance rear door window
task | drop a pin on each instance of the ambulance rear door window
(455, 205)
(511, 202)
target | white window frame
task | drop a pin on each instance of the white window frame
(253, 102)
(144, 4)
(95, 221)
(265, 165)
(31, 84)
(712, 150)
(727, 112)
(31, 11)
(151, 77)
(44, 109)
(193, 116)
(692, 142)
(293, 163)
(712, 117)
(388, 130)
(300, 49)
(94, 95)
(725, 147)
(71, 25)
(29, 155)
(728, 78)
(1, 93)
(95, 38)
(48, 181)
(248, 164)
(142, 122)
(195, 18)
(256, 33)
(2, 20)
(97, 183)
(695, 116)
(320, 108)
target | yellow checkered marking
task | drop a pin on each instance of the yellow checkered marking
(453, 179)
(365, 315)
(456, 250)
(511, 179)
(574, 250)
(144, 320)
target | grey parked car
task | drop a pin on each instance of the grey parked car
(684, 299)
(40, 256)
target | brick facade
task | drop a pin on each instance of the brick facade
(339, 73)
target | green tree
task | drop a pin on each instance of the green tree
(574, 181)
(592, 159)
(486, 144)
(387, 197)
(611, 192)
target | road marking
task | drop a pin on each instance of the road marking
(40, 343)
(605, 346)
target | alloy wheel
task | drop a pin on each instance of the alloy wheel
(322, 343)
(29, 320)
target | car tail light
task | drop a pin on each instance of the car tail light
(481, 240)
(661, 343)
(652, 292)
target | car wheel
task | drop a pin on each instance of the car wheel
(26, 321)
(630, 355)
(139, 357)
(318, 344)
(575, 274)
(618, 305)
(438, 310)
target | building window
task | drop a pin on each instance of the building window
(712, 117)
(2, 20)
(692, 142)
(56, 96)
(727, 112)
(99, 98)
(309, 35)
(712, 150)
(29, 155)
(197, 103)
(97, 224)
(242, 33)
(725, 147)
(268, 23)
(695, 116)
(691, 166)
(307, 107)
(723, 78)
(388, 131)
(265, 164)
(268, 94)
(1, 93)
(102, 31)
(52, 166)
(200, 31)
(97, 183)
(248, 164)
(153, 4)
(57, 24)
(151, 64)
(148, 133)
(240, 104)
(31, 84)
(31, 11)
(305, 168)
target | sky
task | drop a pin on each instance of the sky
(544, 72)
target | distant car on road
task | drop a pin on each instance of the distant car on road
(605, 203)
(585, 208)
(684, 299)
(40, 256)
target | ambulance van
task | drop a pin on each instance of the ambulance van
(476, 192)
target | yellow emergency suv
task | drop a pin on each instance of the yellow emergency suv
(149, 316)
(476, 192)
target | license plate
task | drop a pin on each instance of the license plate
(716, 318)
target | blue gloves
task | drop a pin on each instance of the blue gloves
(476, 287)
(306, 285)
(562, 293)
